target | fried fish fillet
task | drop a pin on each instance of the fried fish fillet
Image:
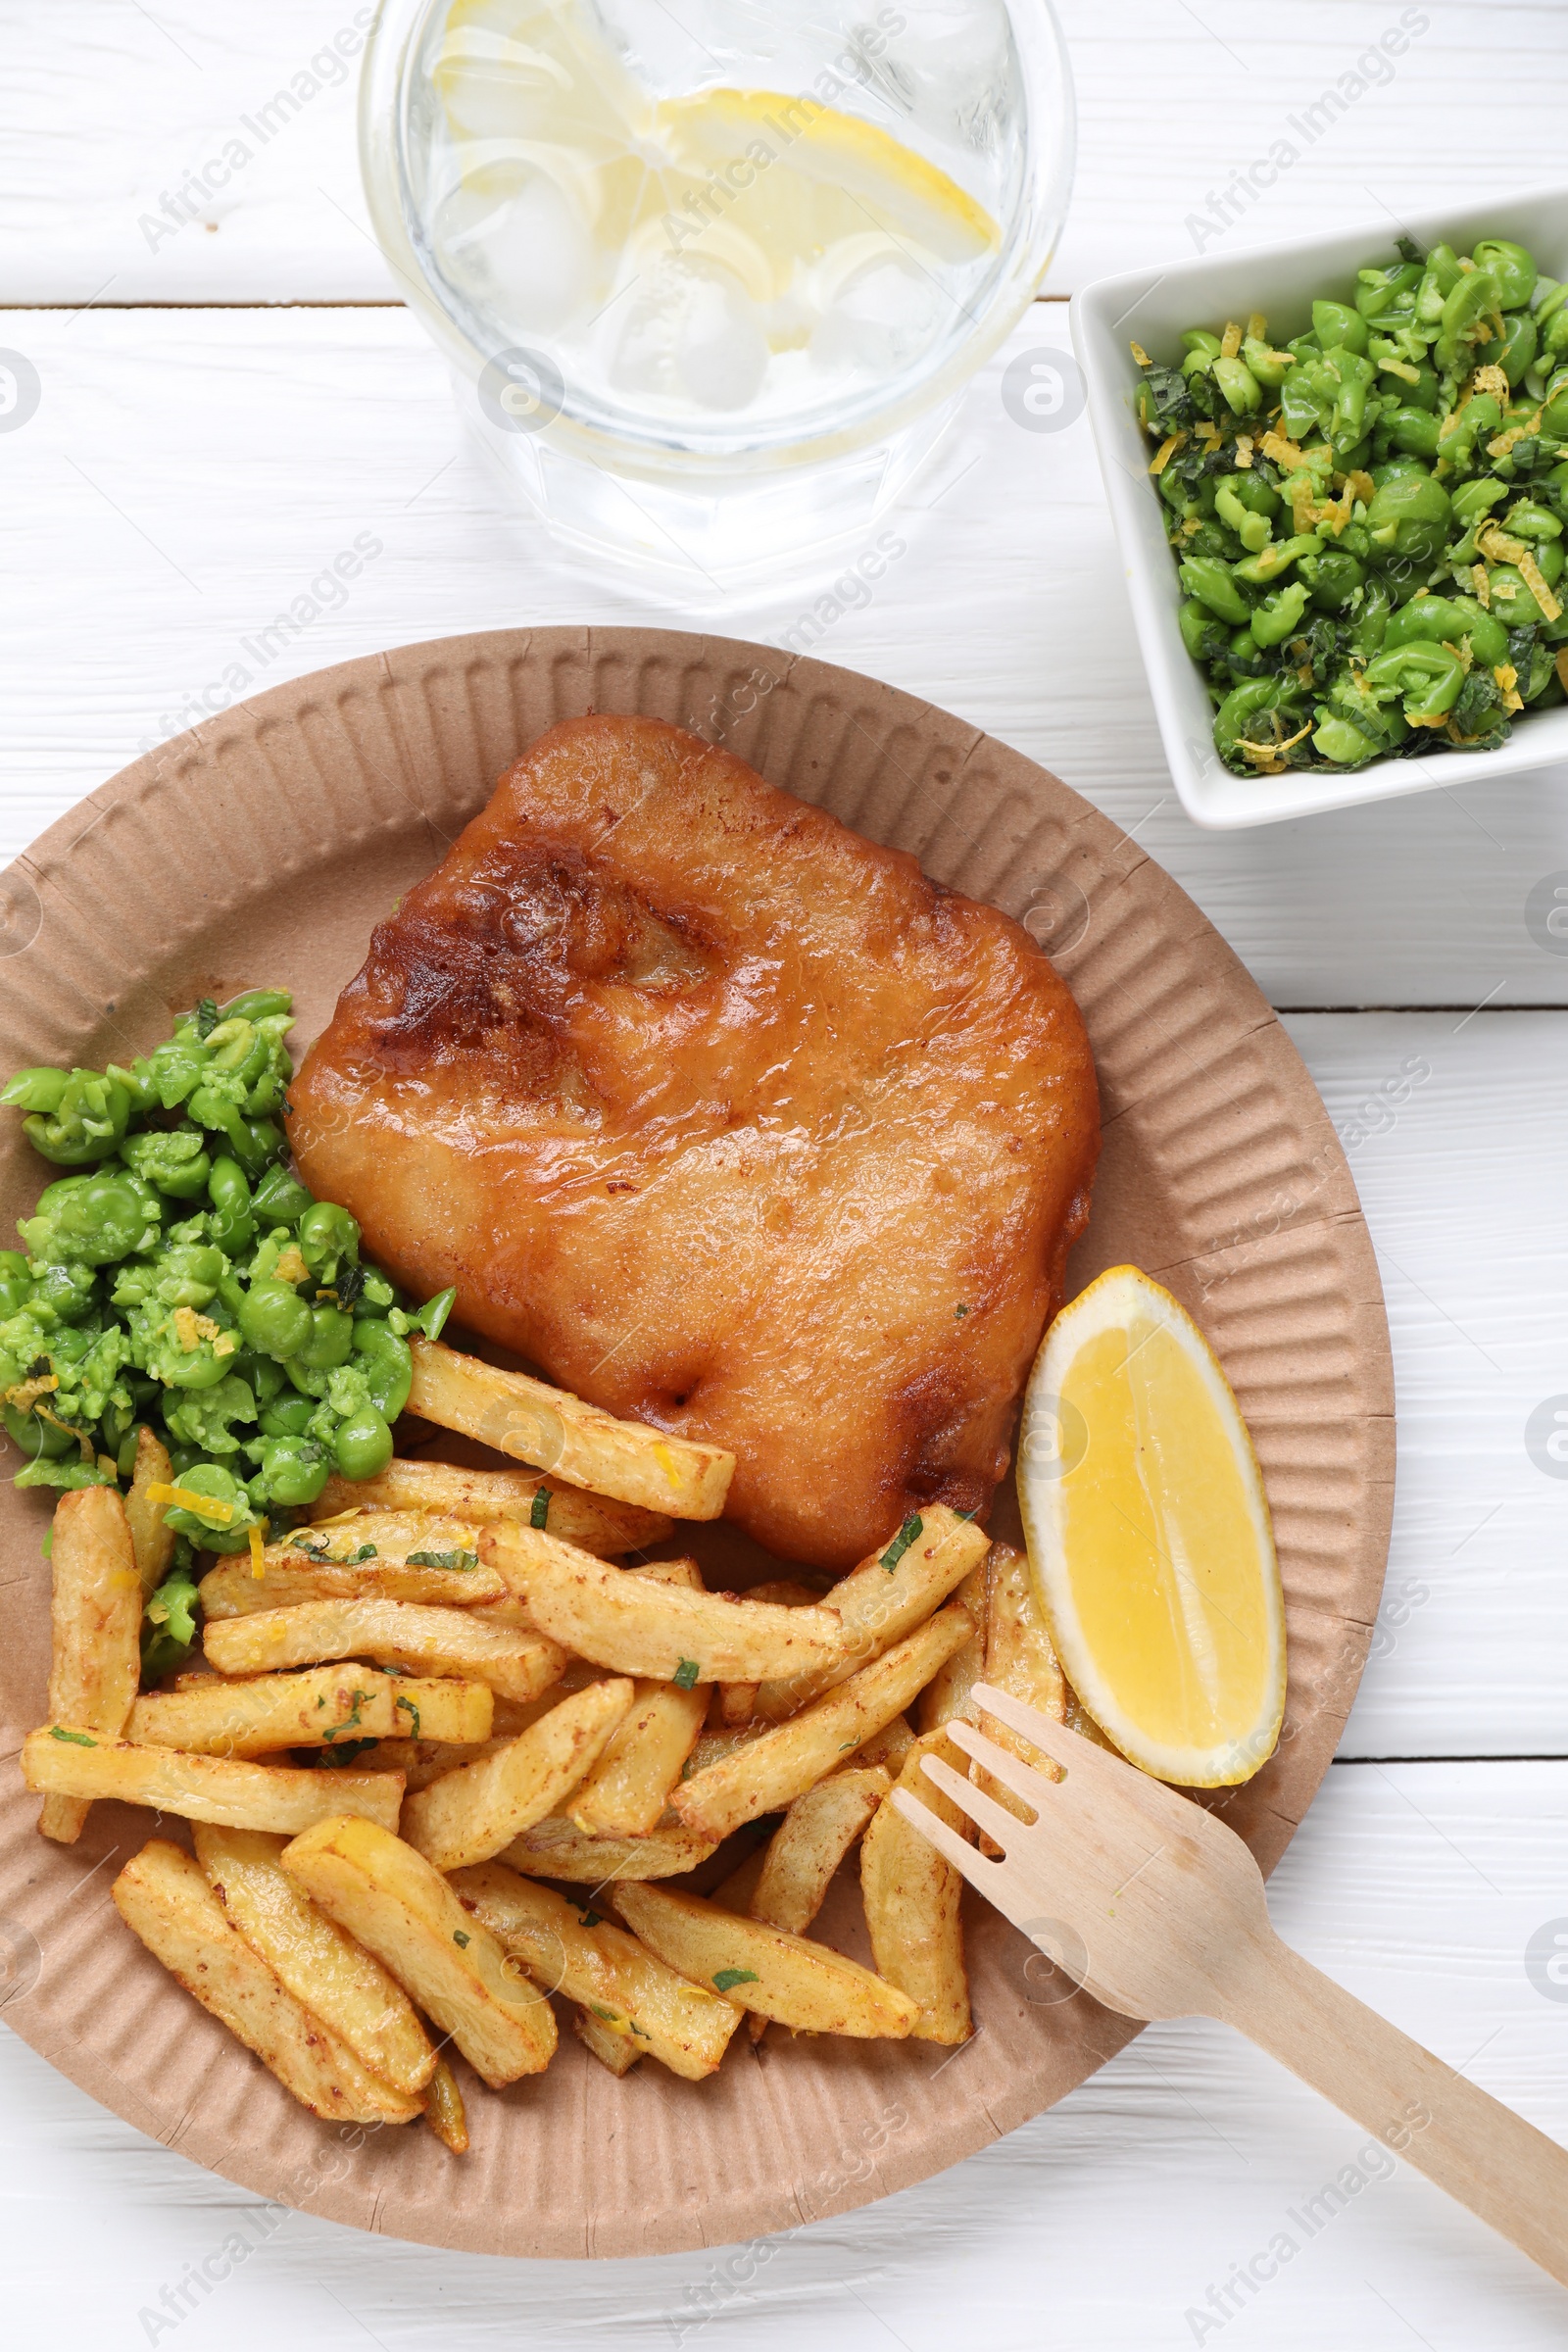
(726, 1118)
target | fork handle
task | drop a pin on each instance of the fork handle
(1480, 2151)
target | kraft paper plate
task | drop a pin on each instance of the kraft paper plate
(262, 848)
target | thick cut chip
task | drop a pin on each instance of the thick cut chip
(484, 1497)
(913, 1896)
(780, 1975)
(637, 1626)
(697, 1097)
(474, 1811)
(95, 1630)
(515, 1663)
(620, 1985)
(163, 1897)
(556, 1849)
(152, 1540)
(400, 1907)
(334, 1978)
(64, 1760)
(906, 1578)
(444, 2112)
(316, 1709)
(1021, 1660)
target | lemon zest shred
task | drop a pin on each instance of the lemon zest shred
(1231, 341)
(258, 1555)
(1165, 452)
(1534, 580)
(1139, 354)
(184, 1499)
(1483, 586)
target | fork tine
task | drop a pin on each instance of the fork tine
(1052, 1739)
(972, 1800)
(947, 1841)
(1021, 1777)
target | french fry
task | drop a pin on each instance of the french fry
(288, 1577)
(768, 1774)
(714, 1746)
(639, 1627)
(888, 1747)
(781, 1977)
(315, 1708)
(625, 1793)
(736, 1702)
(577, 1443)
(424, 1761)
(946, 1694)
(483, 1497)
(809, 1843)
(556, 1849)
(67, 1760)
(444, 2111)
(326, 1969)
(891, 1593)
(95, 1631)
(164, 1898)
(911, 1895)
(441, 1707)
(394, 1902)
(1021, 1660)
(619, 2051)
(471, 1813)
(626, 1990)
(395, 1632)
(152, 1542)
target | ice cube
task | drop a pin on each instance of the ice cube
(519, 246)
(881, 319)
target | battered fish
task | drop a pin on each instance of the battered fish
(727, 1119)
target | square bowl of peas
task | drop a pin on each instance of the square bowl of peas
(1338, 472)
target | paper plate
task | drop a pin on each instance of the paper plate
(262, 848)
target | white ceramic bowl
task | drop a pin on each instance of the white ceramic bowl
(1153, 307)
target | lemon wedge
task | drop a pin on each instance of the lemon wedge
(1149, 1536)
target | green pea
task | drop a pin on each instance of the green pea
(1280, 613)
(1555, 334)
(1428, 676)
(287, 1416)
(259, 1005)
(1415, 432)
(219, 1488)
(13, 1266)
(1474, 499)
(1531, 521)
(330, 1341)
(276, 1321)
(1447, 620)
(387, 1364)
(1378, 292)
(1203, 635)
(1243, 708)
(328, 1233)
(1252, 530)
(294, 1470)
(1406, 468)
(363, 1446)
(1210, 581)
(1339, 327)
(1511, 600)
(1512, 269)
(1201, 344)
(1337, 740)
(1243, 392)
(40, 1089)
(1245, 657)
(1409, 518)
(1519, 346)
(1261, 569)
(39, 1441)
(280, 1199)
(1332, 579)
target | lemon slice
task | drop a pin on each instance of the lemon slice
(1149, 1536)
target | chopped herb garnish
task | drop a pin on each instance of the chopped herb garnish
(686, 1674)
(909, 1533)
(350, 1722)
(540, 1513)
(443, 1559)
(845, 1745)
(591, 1919)
(350, 1283)
(366, 1551)
(458, 1937)
(205, 1016)
(610, 2017)
(728, 1978)
(958, 1313)
(409, 1708)
(76, 1738)
(638, 2029)
(328, 1756)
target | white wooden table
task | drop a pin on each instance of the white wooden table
(223, 410)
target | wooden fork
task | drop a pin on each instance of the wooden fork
(1156, 1909)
